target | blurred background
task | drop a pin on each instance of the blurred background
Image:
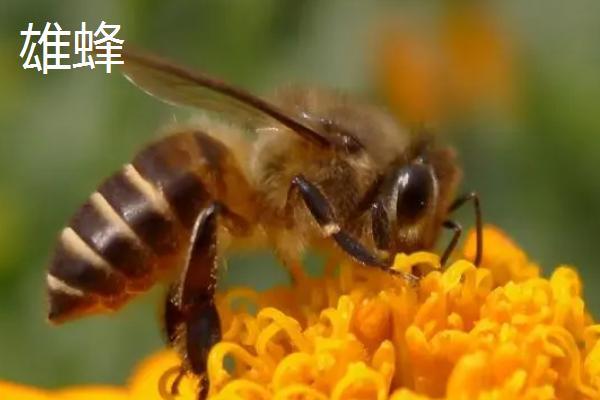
(514, 84)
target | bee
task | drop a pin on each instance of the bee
(322, 170)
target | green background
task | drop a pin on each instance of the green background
(538, 169)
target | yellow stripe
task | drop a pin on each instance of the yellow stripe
(114, 219)
(148, 190)
(57, 285)
(75, 245)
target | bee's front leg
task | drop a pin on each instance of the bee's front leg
(456, 233)
(323, 212)
(191, 319)
(459, 202)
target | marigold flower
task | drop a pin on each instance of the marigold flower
(500, 331)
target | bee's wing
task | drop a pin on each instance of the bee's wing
(184, 87)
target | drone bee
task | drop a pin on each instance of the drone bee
(323, 171)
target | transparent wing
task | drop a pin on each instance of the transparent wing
(184, 87)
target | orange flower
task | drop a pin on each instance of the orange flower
(434, 70)
(500, 331)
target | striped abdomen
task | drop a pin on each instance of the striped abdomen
(135, 226)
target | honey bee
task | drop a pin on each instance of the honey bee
(323, 171)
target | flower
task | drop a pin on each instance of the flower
(500, 331)
(453, 64)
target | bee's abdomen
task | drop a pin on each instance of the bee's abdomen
(133, 225)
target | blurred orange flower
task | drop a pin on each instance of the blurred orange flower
(500, 331)
(463, 62)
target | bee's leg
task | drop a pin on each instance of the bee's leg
(172, 320)
(198, 283)
(175, 321)
(190, 312)
(172, 316)
(321, 210)
(459, 202)
(295, 270)
(457, 231)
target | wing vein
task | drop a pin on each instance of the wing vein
(172, 80)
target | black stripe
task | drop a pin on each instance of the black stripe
(64, 306)
(79, 273)
(118, 249)
(168, 167)
(154, 228)
(211, 150)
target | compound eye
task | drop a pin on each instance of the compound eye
(415, 192)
